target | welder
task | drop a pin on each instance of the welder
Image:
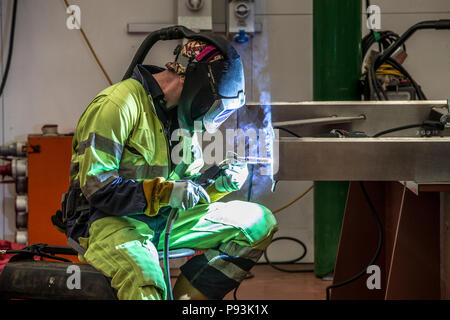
(123, 182)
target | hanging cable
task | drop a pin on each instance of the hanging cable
(10, 49)
(92, 49)
(377, 251)
(382, 133)
(288, 131)
(389, 43)
(385, 40)
(249, 193)
(273, 264)
(400, 68)
(293, 201)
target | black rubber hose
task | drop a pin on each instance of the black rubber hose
(288, 131)
(381, 95)
(170, 33)
(409, 126)
(375, 86)
(435, 24)
(400, 68)
(10, 49)
(273, 264)
(32, 254)
(174, 33)
(386, 39)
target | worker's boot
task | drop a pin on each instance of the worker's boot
(183, 290)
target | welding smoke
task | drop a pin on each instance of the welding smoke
(261, 176)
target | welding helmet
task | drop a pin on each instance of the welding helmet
(214, 84)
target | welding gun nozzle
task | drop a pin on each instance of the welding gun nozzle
(254, 160)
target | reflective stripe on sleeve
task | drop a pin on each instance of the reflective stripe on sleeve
(101, 143)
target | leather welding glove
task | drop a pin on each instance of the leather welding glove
(186, 194)
(232, 177)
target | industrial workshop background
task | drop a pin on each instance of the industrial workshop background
(56, 67)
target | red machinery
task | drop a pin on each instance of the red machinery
(48, 179)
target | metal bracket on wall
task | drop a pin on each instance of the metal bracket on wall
(150, 27)
(34, 149)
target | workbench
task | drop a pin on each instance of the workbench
(406, 175)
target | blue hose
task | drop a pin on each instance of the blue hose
(170, 220)
(250, 181)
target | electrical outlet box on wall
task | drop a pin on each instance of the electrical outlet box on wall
(241, 16)
(195, 14)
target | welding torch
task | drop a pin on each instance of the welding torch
(206, 179)
(232, 158)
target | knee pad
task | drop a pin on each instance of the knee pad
(255, 221)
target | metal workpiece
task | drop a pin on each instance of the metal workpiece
(424, 160)
(309, 119)
(405, 155)
(325, 120)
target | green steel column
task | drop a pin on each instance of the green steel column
(336, 71)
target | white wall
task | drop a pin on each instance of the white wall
(53, 75)
(6, 201)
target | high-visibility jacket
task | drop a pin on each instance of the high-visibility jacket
(121, 158)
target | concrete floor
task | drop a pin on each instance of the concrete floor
(271, 284)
